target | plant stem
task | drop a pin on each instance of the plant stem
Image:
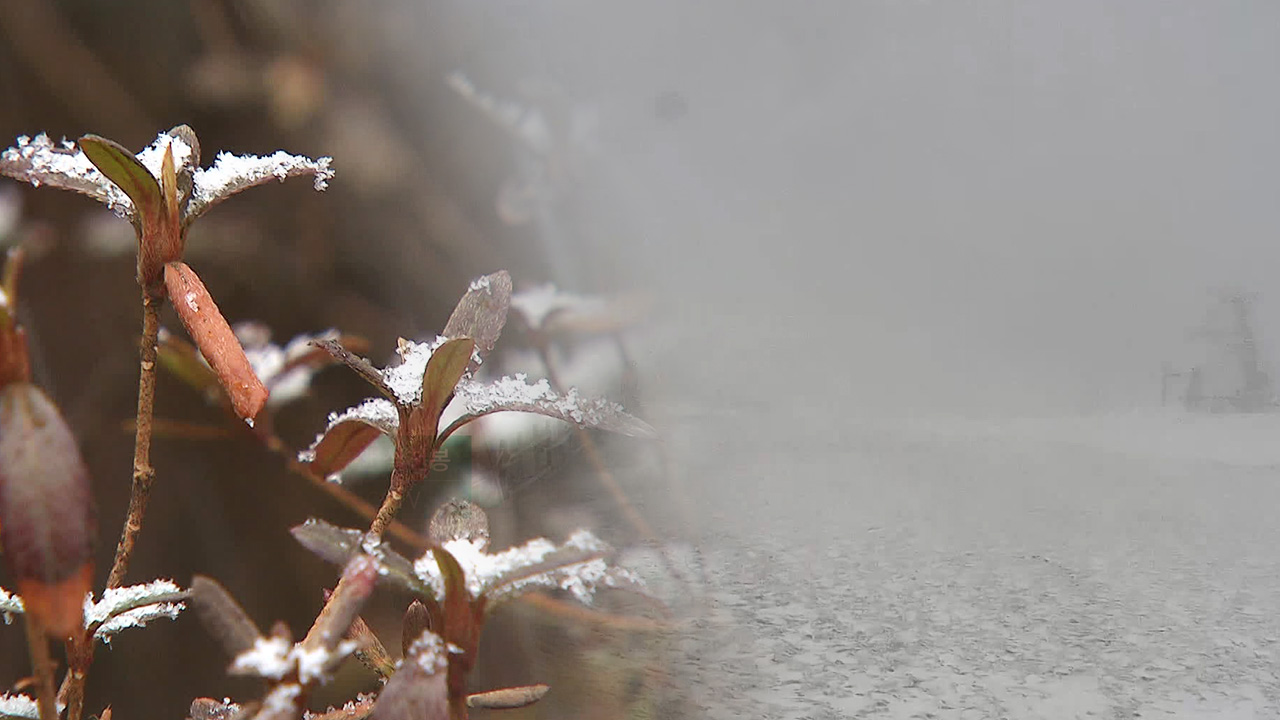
(79, 658)
(143, 474)
(387, 512)
(42, 666)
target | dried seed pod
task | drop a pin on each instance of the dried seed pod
(216, 340)
(46, 509)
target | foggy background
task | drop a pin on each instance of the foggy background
(973, 207)
(911, 271)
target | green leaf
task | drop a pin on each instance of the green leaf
(128, 173)
(444, 369)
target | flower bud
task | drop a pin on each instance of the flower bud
(46, 509)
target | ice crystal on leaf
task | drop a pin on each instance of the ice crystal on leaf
(40, 161)
(10, 605)
(577, 566)
(274, 658)
(231, 174)
(119, 608)
(21, 706)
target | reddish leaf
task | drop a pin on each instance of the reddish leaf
(341, 445)
(216, 340)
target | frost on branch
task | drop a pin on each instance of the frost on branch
(577, 566)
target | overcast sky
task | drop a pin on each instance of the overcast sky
(952, 204)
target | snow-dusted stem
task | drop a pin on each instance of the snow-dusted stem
(592, 452)
(143, 474)
(42, 666)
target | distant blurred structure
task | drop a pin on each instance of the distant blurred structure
(1231, 377)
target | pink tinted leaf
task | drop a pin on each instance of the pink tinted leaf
(481, 313)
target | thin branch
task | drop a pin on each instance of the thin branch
(143, 474)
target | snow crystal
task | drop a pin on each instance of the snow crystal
(378, 412)
(314, 664)
(484, 572)
(275, 658)
(405, 379)
(282, 701)
(138, 617)
(118, 600)
(480, 283)
(153, 156)
(429, 652)
(10, 605)
(481, 398)
(515, 393)
(20, 706)
(232, 173)
(40, 161)
(268, 658)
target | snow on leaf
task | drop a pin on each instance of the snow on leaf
(577, 566)
(516, 394)
(231, 174)
(268, 658)
(117, 600)
(338, 545)
(10, 605)
(18, 706)
(405, 379)
(132, 606)
(138, 617)
(348, 434)
(40, 161)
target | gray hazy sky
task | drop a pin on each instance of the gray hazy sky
(951, 204)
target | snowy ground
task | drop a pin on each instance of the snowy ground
(1112, 567)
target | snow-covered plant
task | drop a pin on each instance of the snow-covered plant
(437, 375)
(160, 191)
(46, 519)
(459, 582)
